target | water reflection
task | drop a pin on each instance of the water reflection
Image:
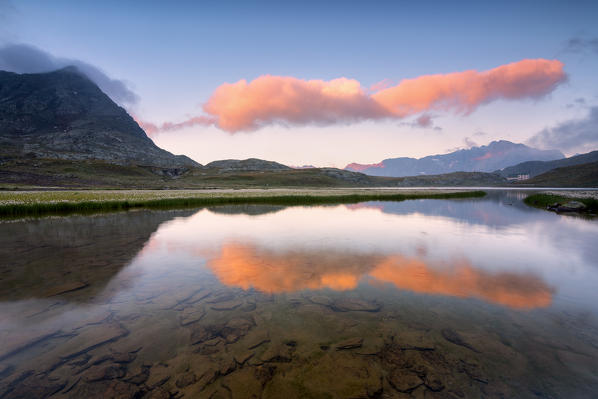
(472, 298)
(246, 266)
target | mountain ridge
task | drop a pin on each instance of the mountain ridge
(64, 115)
(535, 168)
(487, 158)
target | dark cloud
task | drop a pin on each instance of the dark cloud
(580, 45)
(22, 58)
(423, 121)
(578, 102)
(576, 134)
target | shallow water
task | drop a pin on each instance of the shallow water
(426, 298)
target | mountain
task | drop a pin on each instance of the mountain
(251, 164)
(534, 168)
(584, 175)
(64, 115)
(487, 158)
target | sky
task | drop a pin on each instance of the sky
(305, 83)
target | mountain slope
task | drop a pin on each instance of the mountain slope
(64, 115)
(496, 155)
(534, 168)
(251, 164)
(584, 175)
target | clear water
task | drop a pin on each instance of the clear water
(427, 298)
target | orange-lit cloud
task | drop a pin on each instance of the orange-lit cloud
(276, 99)
(269, 99)
(520, 291)
(463, 92)
(246, 106)
(247, 267)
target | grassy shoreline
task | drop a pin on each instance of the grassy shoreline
(543, 200)
(47, 203)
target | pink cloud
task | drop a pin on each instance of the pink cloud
(270, 99)
(463, 92)
(246, 106)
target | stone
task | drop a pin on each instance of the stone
(65, 288)
(350, 343)
(355, 305)
(454, 337)
(191, 315)
(93, 337)
(186, 379)
(109, 372)
(403, 380)
(571, 206)
(228, 305)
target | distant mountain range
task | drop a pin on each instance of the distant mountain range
(535, 168)
(487, 158)
(64, 115)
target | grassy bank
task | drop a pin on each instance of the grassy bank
(17, 204)
(543, 200)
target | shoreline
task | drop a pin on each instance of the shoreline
(40, 203)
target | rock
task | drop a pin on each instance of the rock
(264, 373)
(571, 206)
(18, 341)
(109, 372)
(121, 390)
(123, 357)
(228, 305)
(235, 329)
(191, 315)
(277, 353)
(350, 343)
(321, 300)
(433, 382)
(403, 380)
(241, 358)
(352, 304)
(32, 387)
(158, 393)
(93, 337)
(141, 377)
(200, 333)
(186, 379)
(453, 337)
(222, 297)
(66, 287)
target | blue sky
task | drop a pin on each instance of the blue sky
(174, 55)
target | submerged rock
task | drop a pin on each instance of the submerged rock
(455, 338)
(350, 343)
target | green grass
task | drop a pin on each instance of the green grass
(543, 200)
(63, 207)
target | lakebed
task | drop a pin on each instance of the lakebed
(465, 297)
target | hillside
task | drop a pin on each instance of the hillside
(584, 175)
(251, 164)
(64, 115)
(496, 155)
(535, 168)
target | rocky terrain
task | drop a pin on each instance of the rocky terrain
(64, 115)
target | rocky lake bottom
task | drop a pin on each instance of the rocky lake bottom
(424, 299)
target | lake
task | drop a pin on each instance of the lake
(426, 298)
